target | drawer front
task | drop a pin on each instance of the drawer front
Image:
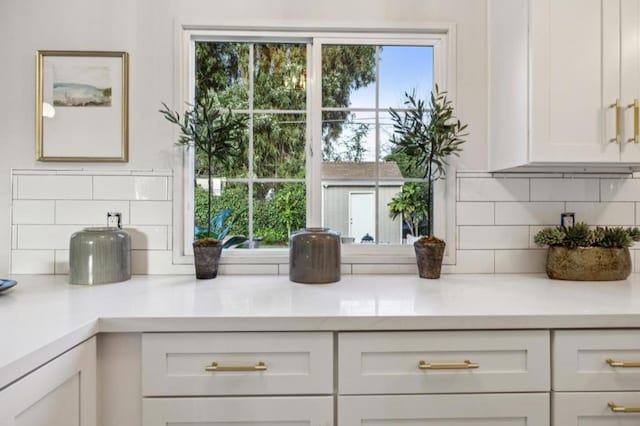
(247, 363)
(261, 411)
(450, 410)
(580, 360)
(592, 408)
(390, 362)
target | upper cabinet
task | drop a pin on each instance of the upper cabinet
(564, 83)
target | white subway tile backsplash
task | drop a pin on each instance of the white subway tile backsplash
(61, 262)
(520, 261)
(32, 262)
(363, 269)
(528, 213)
(620, 189)
(14, 237)
(159, 262)
(51, 187)
(45, 236)
(235, 269)
(497, 217)
(489, 189)
(604, 213)
(148, 237)
(493, 237)
(89, 212)
(150, 212)
(32, 212)
(474, 213)
(471, 262)
(130, 188)
(565, 190)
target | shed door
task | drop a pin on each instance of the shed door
(362, 215)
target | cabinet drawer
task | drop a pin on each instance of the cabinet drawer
(413, 362)
(454, 410)
(262, 411)
(247, 363)
(592, 409)
(580, 360)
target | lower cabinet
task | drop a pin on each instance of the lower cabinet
(231, 411)
(449, 410)
(60, 393)
(596, 408)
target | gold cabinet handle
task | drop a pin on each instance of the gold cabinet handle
(636, 121)
(466, 364)
(623, 364)
(618, 106)
(261, 366)
(622, 409)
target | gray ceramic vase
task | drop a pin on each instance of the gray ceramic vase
(314, 256)
(99, 256)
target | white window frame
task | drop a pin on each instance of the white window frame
(440, 36)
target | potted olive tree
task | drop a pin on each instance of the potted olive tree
(579, 253)
(426, 135)
(217, 134)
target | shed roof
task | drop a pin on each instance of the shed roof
(359, 171)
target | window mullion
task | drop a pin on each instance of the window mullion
(251, 173)
(314, 110)
(376, 198)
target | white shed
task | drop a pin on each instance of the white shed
(349, 199)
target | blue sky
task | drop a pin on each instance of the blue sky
(402, 69)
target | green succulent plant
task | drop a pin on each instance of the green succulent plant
(580, 235)
(550, 237)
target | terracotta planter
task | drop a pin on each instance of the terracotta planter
(206, 258)
(588, 263)
(429, 258)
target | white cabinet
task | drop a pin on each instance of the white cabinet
(585, 364)
(561, 75)
(263, 411)
(449, 410)
(215, 368)
(422, 378)
(596, 408)
(60, 393)
(434, 362)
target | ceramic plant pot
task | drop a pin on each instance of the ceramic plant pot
(206, 257)
(588, 263)
(429, 254)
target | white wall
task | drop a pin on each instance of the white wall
(147, 30)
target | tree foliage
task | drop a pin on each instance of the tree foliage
(425, 136)
(279, 83)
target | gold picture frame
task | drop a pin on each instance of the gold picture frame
(82, 102)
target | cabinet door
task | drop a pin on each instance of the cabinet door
(575, 77)
(630, 78)
(60, 393)
(256, 411)
(593, 409)
(449, 410)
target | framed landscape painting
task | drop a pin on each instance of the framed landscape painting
(82, 106)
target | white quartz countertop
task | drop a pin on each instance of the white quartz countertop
(43, 315)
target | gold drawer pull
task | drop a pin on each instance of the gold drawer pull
(623, 364)
(636, 121)
(466, 364)
(261, 366)
(618, 107)
(622, 409)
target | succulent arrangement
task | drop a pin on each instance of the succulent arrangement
(581, 235)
